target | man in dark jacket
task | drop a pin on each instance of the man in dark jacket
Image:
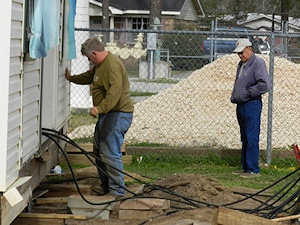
(252, 80)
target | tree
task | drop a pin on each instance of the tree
(237, 7)
(105, 18)
(155, 10)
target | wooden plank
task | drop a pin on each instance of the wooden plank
(87, 147)
(127, 159)
(37, 221)
(123, 149)
(81, 159)
(38, 193)
(51, 208)
(51, 216)
(52, 200)
(286, 218)
(234, 217)
(65, 190)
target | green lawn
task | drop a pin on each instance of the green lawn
(211, 165)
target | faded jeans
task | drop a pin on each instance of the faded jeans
(108, 139)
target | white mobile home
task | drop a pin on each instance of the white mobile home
(34, 95)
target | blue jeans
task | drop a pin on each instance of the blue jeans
(248, 115)
(108, 139)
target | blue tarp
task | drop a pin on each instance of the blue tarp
(44, 27)
(71, 30)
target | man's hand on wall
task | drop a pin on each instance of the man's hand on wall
(67, 74)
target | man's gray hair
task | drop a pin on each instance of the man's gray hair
(90, 45)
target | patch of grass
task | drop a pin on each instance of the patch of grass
(147, 144)
(83, 140)
(138, 93)
(160, 80)
(77, 120)
(132, 72)
(65, 167)
(211, 165)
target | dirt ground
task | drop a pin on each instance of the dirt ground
(194, 198)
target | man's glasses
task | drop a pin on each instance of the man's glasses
(242, 52)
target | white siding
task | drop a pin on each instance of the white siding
(30, 104)
(21, 92)
(63, 100)
(56, 90)
(13, 118)
(188, 11)
(56, 107)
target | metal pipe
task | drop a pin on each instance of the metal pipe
(270, 100)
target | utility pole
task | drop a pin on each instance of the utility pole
(155, 11)
(105, 19)
(285, 10)
(285, 23)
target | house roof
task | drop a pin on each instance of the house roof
(253, 17)
(167, 5)
(134, 6)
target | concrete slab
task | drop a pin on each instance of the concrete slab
(75, 201)
(78, 206)
(91, 213)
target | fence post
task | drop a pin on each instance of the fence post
(212, 42)
(270, 100)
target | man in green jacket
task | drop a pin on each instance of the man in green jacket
(113, 106)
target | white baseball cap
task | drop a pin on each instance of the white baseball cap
(241, 44)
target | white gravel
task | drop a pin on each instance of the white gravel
(197, 111)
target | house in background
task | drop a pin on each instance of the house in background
(34, 95)
(262, 22)
(132, 14)
(129, 15)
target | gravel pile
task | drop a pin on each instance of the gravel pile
(197, 111)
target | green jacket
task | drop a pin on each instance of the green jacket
(110, 85)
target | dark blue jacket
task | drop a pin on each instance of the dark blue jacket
(253, 82)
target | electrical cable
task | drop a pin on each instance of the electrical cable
(273, 213)
(274, 210)
(76, 184)
(155, 187)
(88, 155)
(261, 191)
(68, 140)
(277, 193)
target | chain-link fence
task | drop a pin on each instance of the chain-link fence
(181, 82)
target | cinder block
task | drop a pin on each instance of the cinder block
(145, 204)
(129, 214)
(77, 202)
(80, 207)
(91, 213)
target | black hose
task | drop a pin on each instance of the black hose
(87, 154)
(192, 202)
(257, 193)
